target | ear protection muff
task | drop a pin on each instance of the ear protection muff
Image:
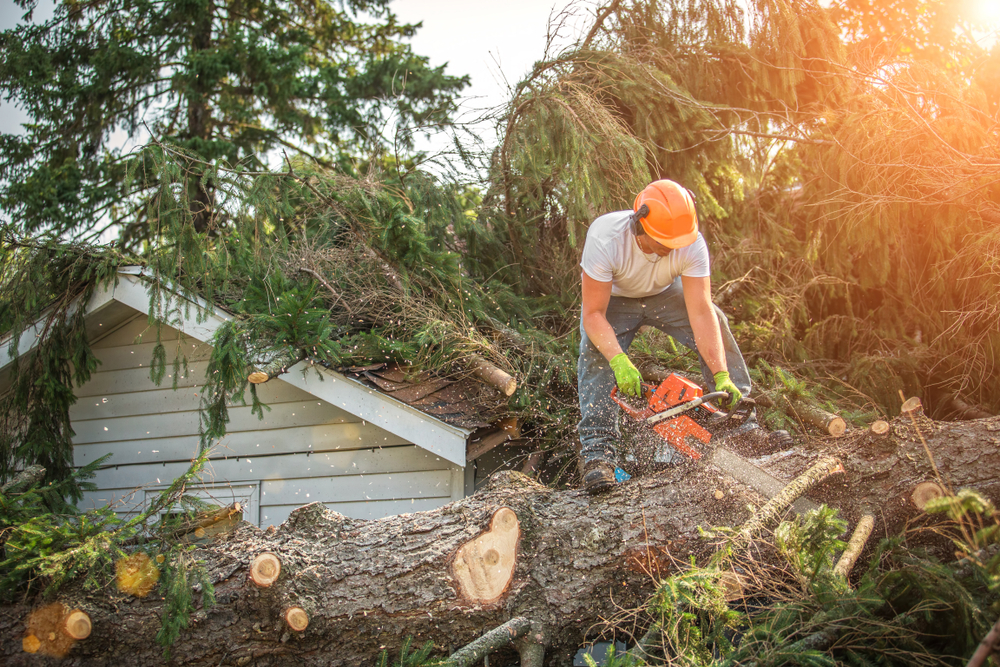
(637, 227)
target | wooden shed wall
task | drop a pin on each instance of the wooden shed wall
(304, 450)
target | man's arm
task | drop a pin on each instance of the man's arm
(704, 322)
(596, 296)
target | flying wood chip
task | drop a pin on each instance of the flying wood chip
(136, 574)
(46, 631)
(484, 566)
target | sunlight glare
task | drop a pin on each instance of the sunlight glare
(987, 11)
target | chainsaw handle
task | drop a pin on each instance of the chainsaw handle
(629, 410)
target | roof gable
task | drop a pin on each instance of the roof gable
(198, 319)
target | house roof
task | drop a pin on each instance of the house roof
(432, 414)
(457, 402)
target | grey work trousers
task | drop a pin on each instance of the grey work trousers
(598, 427)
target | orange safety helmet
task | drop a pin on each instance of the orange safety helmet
(671, 218)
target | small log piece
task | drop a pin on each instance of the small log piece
(484, 566)
(821, 419)
(265, 569)
(912, 406)
(925, 492)
(77, 624)
(490, 374)
(207, 524)
(859, 538)
(297, 618)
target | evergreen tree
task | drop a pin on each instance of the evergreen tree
(222, 79)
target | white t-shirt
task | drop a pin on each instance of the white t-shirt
(611, 254)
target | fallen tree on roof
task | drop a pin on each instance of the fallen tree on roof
(567, 563)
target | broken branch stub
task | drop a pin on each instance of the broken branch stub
(484, 566)
(77, 624)
(276, 367)
(265, 569)
(496, 638)
(297, 618)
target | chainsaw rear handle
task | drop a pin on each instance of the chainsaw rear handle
(741, 412)
(635, 413)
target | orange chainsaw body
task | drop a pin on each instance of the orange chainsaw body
(672, 392)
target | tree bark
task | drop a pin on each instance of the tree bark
(577, 560)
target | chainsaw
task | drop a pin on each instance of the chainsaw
(684, 417)
(679, 412)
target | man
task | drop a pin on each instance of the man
(648, 266)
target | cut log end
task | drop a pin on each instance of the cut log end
(265, 569)
(77, 624)
(258, 377)
(925, 492)
(912, 406)
(836, 427)
(484, 566)
(297, 618)
(879, 427)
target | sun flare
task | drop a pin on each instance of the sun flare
(987, 11)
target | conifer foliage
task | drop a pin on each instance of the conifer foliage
(221, 79)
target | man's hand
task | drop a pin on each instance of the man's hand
(723, 383)
(627, 375)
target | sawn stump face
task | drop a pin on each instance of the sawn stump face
(484, 567)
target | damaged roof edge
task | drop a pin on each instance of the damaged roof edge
(394, 416)
(398, 418)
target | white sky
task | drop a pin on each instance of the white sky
(496, 43)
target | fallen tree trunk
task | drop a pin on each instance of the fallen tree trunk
(562, 560)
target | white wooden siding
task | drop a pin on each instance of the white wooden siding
(274, 515)
(303, 450)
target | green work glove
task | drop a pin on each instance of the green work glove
(723, 383)
(626, 375)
